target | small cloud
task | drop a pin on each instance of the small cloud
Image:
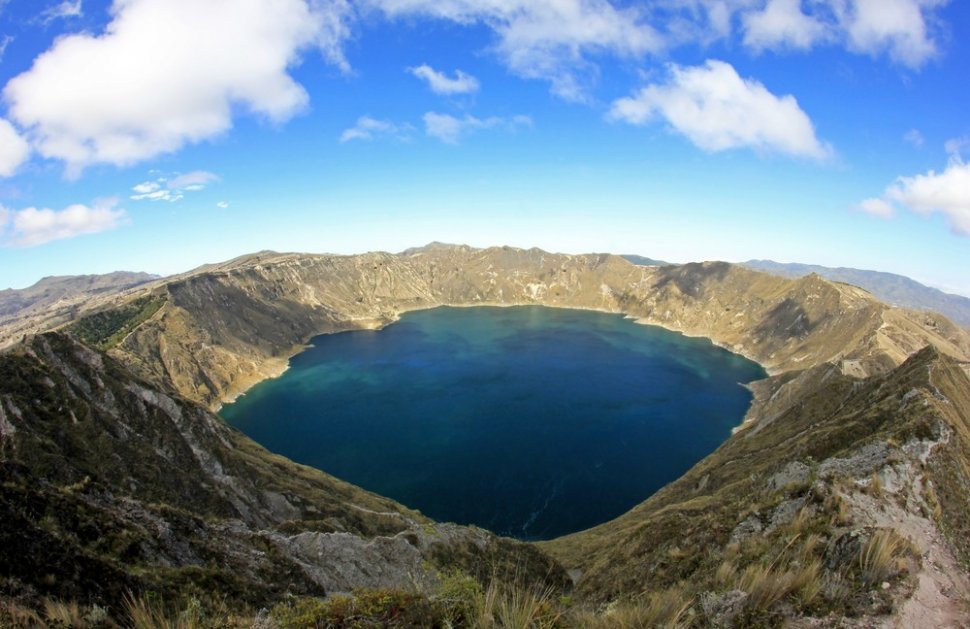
(914, 137)
(450, 129)
(442, 84)
(781, 24)
(4, 42)
(193, 179)
(222, 205)
(877, 207)
(14, 149)
(718, 110)
(954, 147)
(172, 189)
(146, 188)
(64, 10)
(946, 193)
(368, 128)
(31, 227)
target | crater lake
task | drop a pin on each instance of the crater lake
(532, 422)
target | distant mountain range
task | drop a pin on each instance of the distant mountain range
(896, 290)
(55, 300)
(50, 290)
(642, 261)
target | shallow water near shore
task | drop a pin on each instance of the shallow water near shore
(531, 422)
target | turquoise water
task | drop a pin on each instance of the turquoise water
(528, 421)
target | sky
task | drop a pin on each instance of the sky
(159, 135)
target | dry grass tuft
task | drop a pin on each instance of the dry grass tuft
(879, 557)
(518, 608)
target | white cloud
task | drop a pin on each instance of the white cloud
(780, 24)
(146, 188)
(440, 83)
(877, 207)
(955, 146)
(174, 188)
(914, 137)
(718, 110)
(559, 40)
(63, 10)
(4, 42)
(31, 226)
(899, 28)
(450, 129)
(368, 128)
(14, 150)
(946, 193)
(546, 39)
(170, 72)
(895, 26)
(192, 180)
(222, 205)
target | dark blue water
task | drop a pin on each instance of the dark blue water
(531, 422)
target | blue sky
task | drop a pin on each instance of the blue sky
(158, 135)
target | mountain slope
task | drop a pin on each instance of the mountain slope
(110, 484)
(896, 290)
(55, 300)
(807, 490)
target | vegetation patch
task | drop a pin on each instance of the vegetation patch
(107, 328)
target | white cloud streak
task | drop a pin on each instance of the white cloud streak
(4, 42)
(440, 83)
(62, 10)
(717, 110)
(14, 149)
(31, 227)
(450, 129)
(172, 189)
(368, 128)
(545, 39)
(559, 40)
(914, 137)
(131, 93)
(877, 207)
(955, 146)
